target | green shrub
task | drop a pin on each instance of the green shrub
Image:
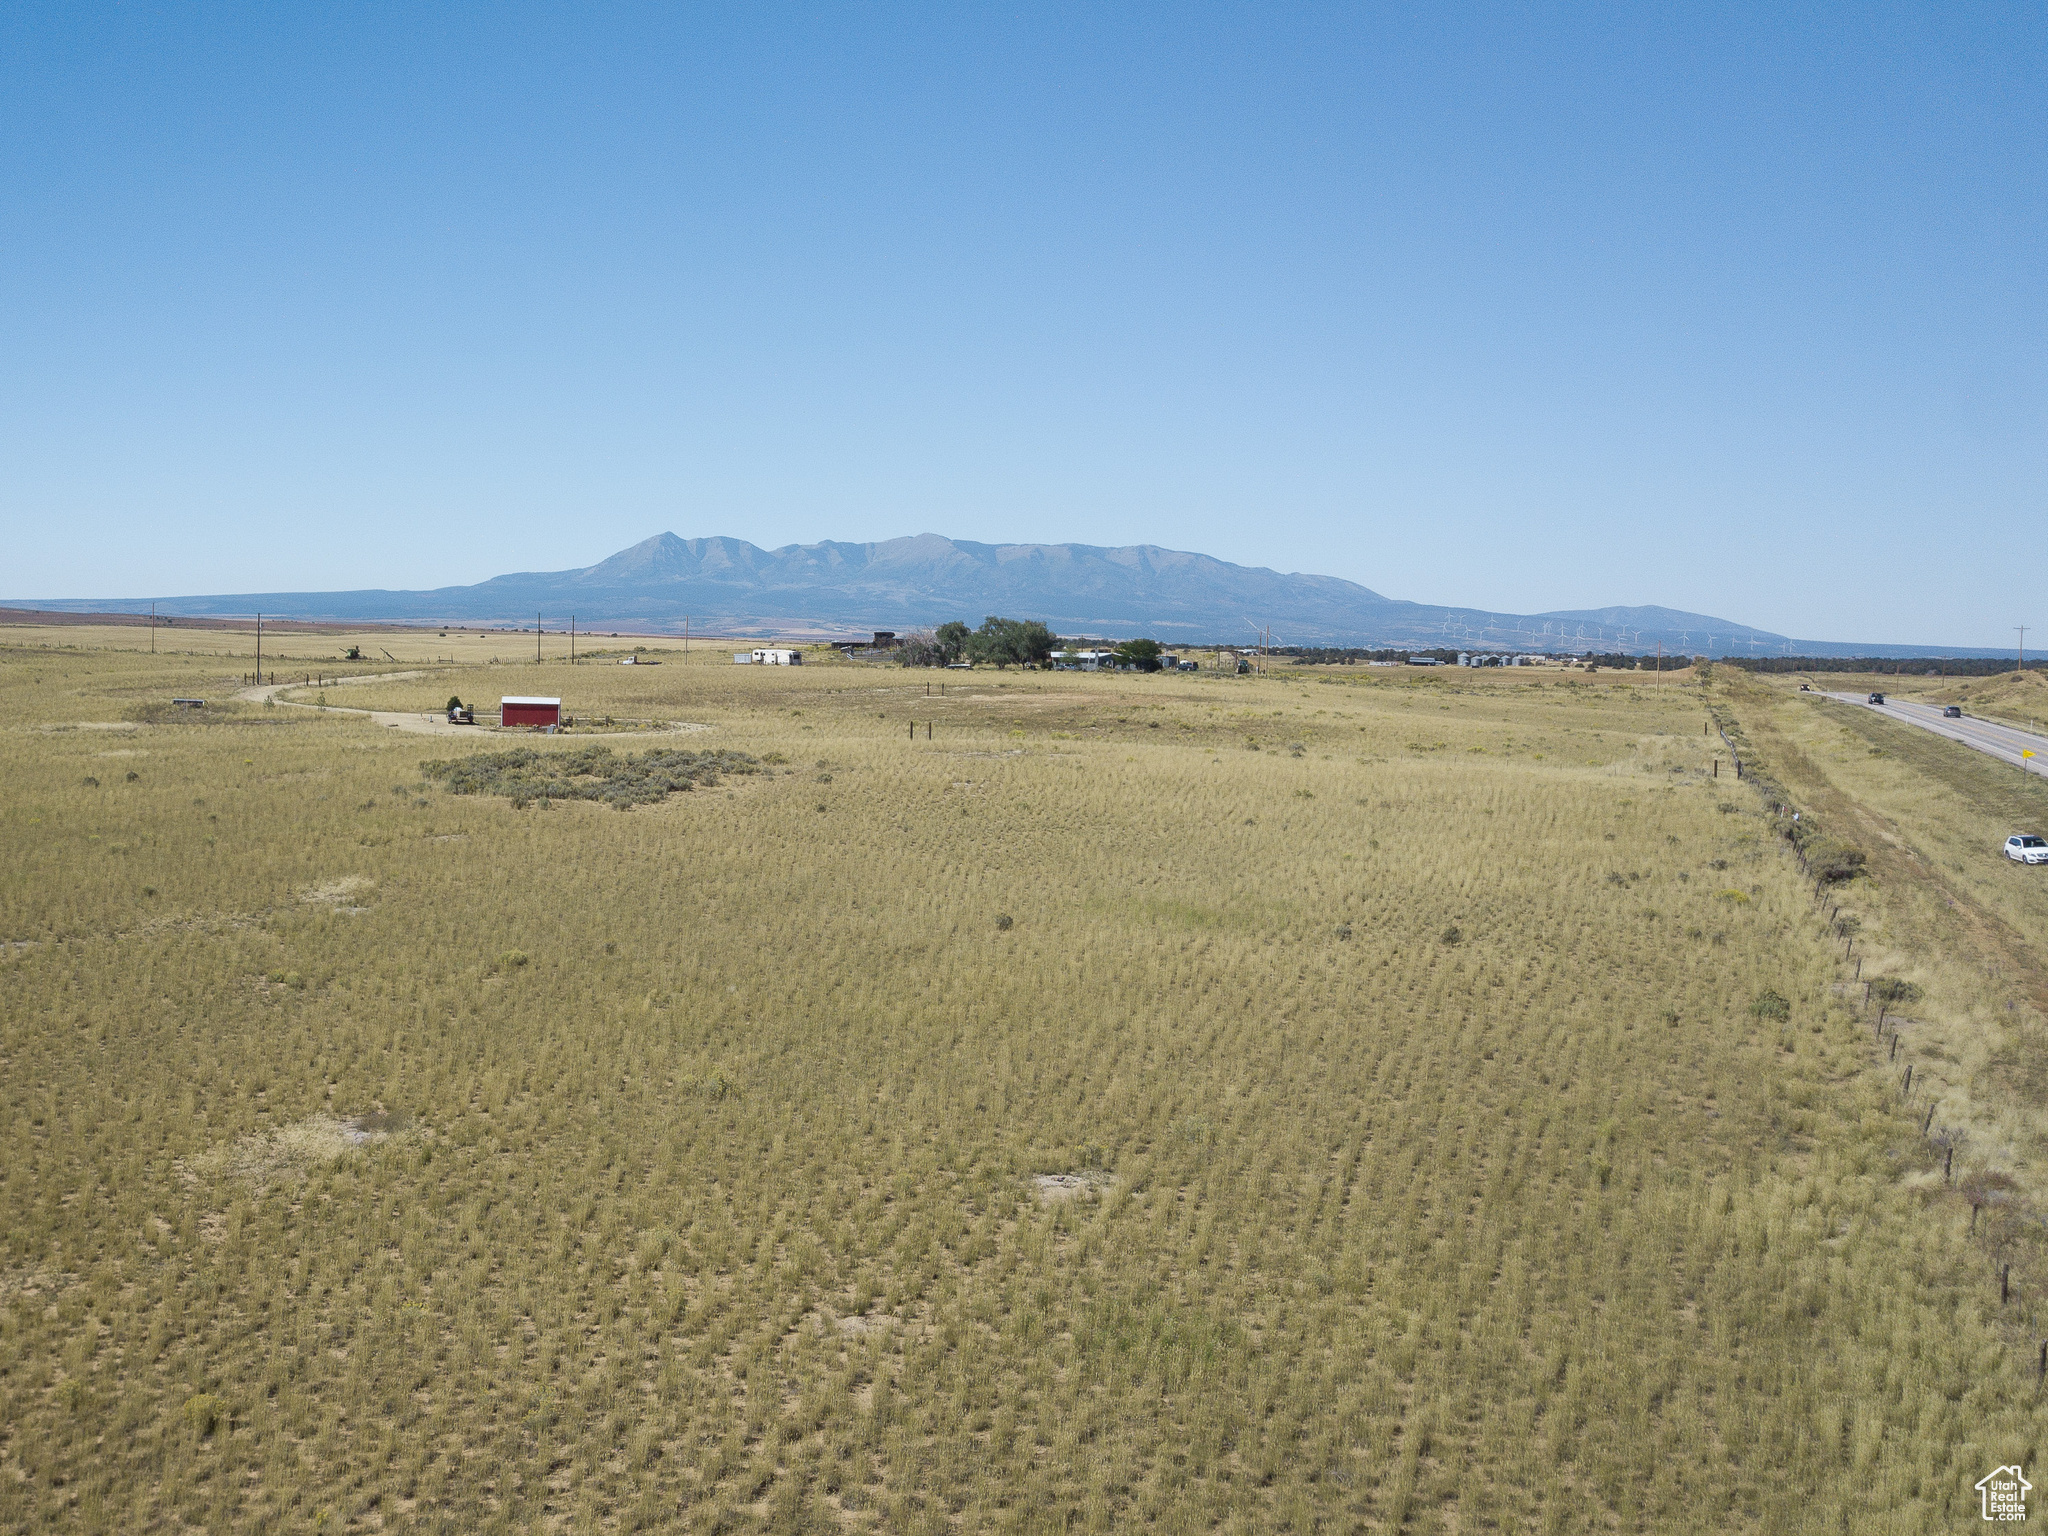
(1834, 862)
(205, 1413)
(591, 773)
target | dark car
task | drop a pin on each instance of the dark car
(1877, 698)
(1952, 712)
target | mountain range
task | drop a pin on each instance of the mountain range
(728, 586)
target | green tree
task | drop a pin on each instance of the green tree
(1011, 642)
(952, 638)
(1142, 654)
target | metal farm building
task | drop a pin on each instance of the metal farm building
(529, 711)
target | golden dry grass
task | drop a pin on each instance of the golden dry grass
(1944, 913)
(1429, 1165)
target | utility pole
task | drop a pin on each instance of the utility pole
(259, 650)
(2022, 628)
(152, 629)
(1660, 663)
(686, 634)
(572, 639)
(536, 639)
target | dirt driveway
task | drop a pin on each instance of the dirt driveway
(430, 723)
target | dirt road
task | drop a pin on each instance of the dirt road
(431, 723)
(397, 720)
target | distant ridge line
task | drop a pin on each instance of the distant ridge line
(838, 589)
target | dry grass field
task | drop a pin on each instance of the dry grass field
(1941, 913)
(1323, 1102)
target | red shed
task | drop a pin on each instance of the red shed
(530, 711)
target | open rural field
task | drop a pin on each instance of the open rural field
(299, 649)
(1329, 1101)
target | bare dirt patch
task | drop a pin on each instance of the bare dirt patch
(290, 1152)
(338, 894)
(1055, 1187)
(31, 1282)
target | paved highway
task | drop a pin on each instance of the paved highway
(2006, 743)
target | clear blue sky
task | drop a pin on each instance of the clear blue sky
(1513, 307)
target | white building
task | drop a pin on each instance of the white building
(777, 656)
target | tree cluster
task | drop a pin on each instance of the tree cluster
(1621, 661)
(999, 642)
(1353, 655)
(1004, 642)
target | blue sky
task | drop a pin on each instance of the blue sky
(1517, 307)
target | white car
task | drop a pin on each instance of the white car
(2027, 849)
